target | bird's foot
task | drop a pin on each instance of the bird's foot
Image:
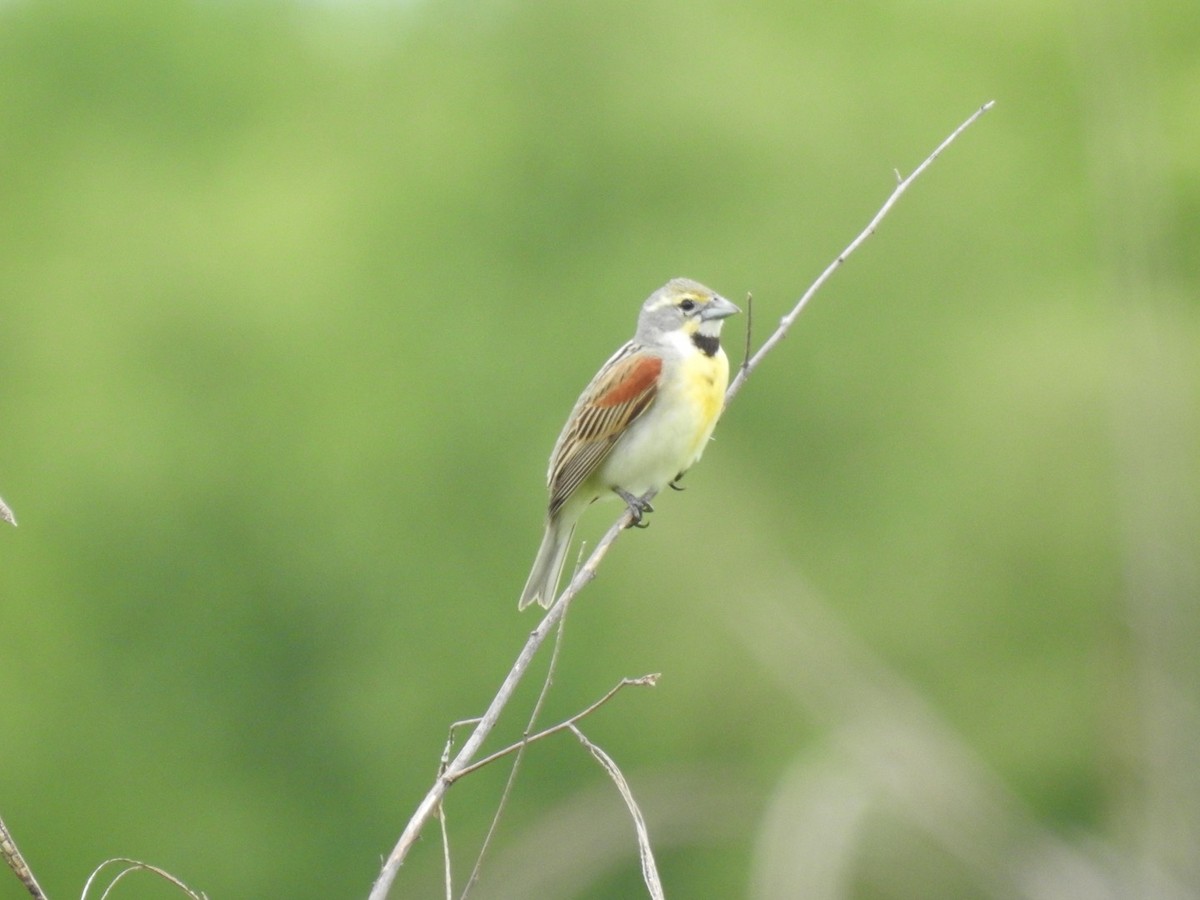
(638, 507)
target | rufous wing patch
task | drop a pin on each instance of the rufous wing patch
(638, 375)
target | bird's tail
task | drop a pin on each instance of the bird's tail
(542, 586)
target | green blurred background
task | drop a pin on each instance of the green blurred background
(294, 298)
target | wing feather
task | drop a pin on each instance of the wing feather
(619, 394)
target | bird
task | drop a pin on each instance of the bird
(642, 421)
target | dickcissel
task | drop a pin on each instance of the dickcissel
(642, 421)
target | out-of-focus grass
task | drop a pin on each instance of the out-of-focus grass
(294, 298)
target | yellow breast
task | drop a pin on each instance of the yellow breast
(705, 379)
(673, 433)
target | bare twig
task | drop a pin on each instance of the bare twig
(516, 766)
(448, 749)
(649, 869)
(448, 871)
(16, 862)
(131, 866)
(644, 681)
(587, 572)
(487, 722)
(786, 323)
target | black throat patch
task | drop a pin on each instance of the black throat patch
(707, 345)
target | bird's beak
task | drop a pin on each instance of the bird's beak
(718, 308)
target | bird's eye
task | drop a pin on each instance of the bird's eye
(687, 305)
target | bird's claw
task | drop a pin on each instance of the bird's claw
(638, 507)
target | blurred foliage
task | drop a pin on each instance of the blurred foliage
(295, 296)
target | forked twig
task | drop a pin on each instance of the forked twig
(516, 766)
(587, 572)
(644, 681)
(488, 720)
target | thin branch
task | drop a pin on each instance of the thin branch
(644, 681)
(448, 747)
(587, 572)
(786, 323)
(645, 851)
(16, 862)
(131, 866)
(448, 871)
(487, 721)
(516, 766)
